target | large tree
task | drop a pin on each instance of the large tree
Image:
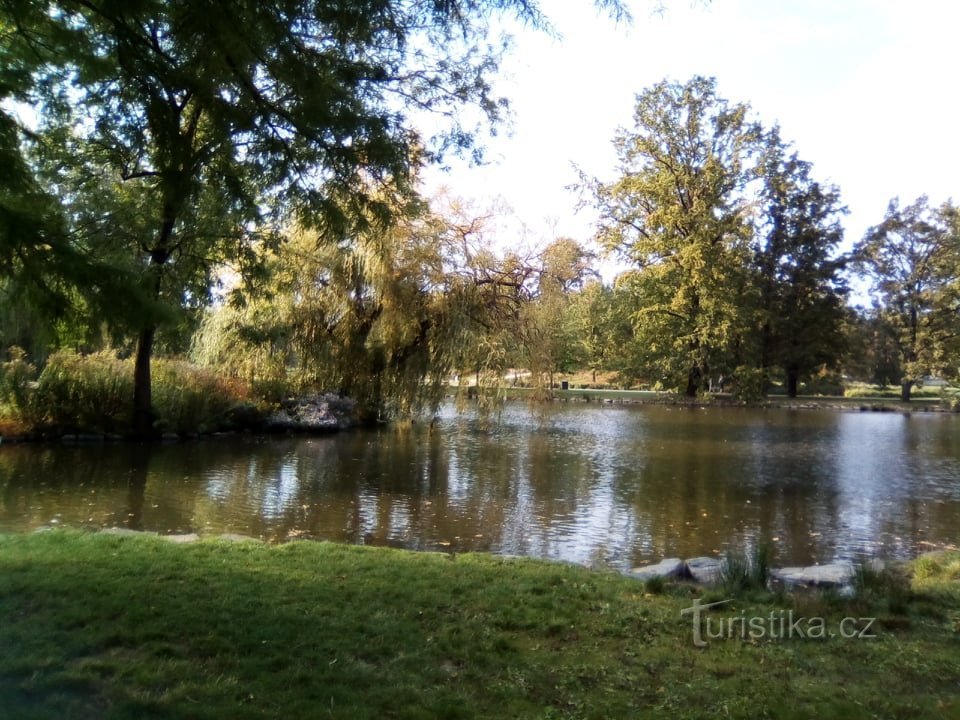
(798, 266)
(913, 259)
(679, 213)
(186, 130)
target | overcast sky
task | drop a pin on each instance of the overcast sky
(865, 89)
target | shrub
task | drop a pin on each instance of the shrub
(825, 382)
(878, 583)
(94, 393)
(655, 585)
(749, 383)
(15, 377)
(188, 399)
(83, 393)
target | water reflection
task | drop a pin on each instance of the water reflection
(616, 486)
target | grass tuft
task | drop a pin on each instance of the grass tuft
(746, 571)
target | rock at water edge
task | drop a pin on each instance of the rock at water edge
(669, 568)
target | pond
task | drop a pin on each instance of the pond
(614, 486)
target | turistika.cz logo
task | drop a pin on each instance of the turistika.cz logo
(776, 625)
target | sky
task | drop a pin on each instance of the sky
(866, 90)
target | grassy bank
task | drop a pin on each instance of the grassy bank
(101, 626)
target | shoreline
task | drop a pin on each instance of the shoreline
(514, 394)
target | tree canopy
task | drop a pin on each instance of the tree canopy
(733, 243)
(913, 260)
(186, 133)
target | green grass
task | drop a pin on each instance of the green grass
(98, 626)
(746, 571)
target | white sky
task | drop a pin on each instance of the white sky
(865, 89)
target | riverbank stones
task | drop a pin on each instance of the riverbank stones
(704, 570)
(830, 575)
(669, 568)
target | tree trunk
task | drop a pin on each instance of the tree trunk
(142, 395)
(905, 387)
(693, 382)
(793, 380)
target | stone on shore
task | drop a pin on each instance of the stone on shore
(126, 532)
(669, 568)
(181, 539)
(830, 575)
(704, 570)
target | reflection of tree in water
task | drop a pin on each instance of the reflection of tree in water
(626, 486)
(707, 484)
(92, 485)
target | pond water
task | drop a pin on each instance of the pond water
(615, 486)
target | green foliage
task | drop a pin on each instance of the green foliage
(16, 374)
(177, 138)
(750, 383)
(91, 393)
(679, 215)
(872, 351)
(950, 399)
(943, 566)
(798, 231)
(746, 571)
(655, 585)
(733, 245)
(913, 260)
(825, 382)
(83, 393)
(188, 399)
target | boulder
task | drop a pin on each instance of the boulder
(704, 570)
(830, 575)
(669, 568)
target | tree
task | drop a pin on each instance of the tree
(801, 291)
(194, 128)
(592, 321)
(679, 214)
(547, 345)
(913, 259)
(871, 352)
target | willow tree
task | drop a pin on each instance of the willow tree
(679, 214)
(367, 318)
(546, 338)
(202, 123)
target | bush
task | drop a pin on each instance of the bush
(825, 382)
(188, 399)
(83, 393)
(94, 393)
(749, 383)
(15, 377)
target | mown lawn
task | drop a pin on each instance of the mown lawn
(99, 626)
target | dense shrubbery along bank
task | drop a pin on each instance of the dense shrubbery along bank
(91, 394)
